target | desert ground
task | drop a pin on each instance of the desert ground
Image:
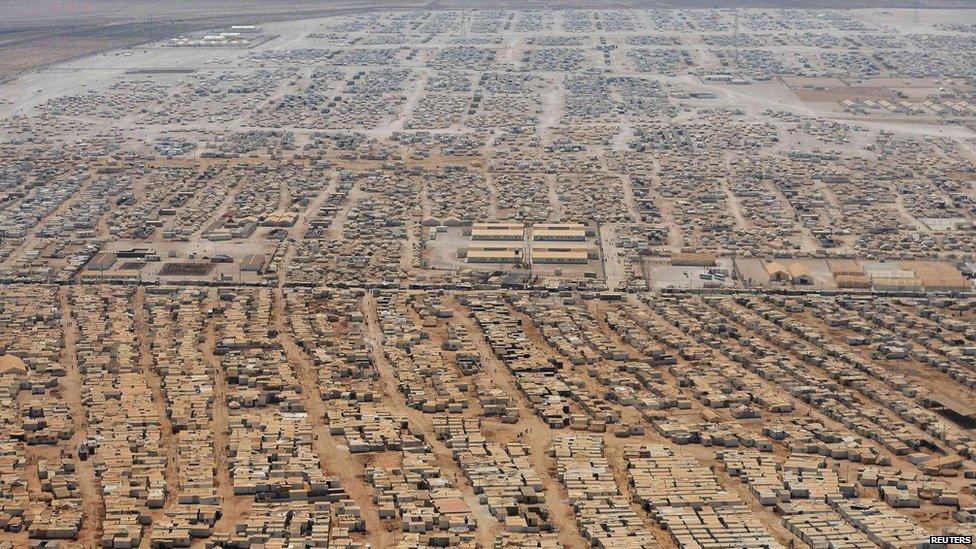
(341, 275)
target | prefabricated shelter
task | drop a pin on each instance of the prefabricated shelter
(493, 254)
(562, 254)
(559, 232)
(102, 262)
(800, 274)
(959, 412)
(691, 259)
(847, 281)
(497, 231)
(845, 267)
(938, 276)
(777, 272)
(895, 281)
(252, 263)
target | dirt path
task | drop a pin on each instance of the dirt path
(553, 105)
(93, 508)
(623, 136)
(143, 330)
(614, 270)
(493, 194)
(629, 200)
(232, 508)
(413, 95)
(421, 423)
(555, 205)
(538, 434)
(907, 215)
(334, 457)
(676, 235)
(214, 217)
(599, 311)
(804, 409)
(613, 450)
(735, 208)
(306, 215)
